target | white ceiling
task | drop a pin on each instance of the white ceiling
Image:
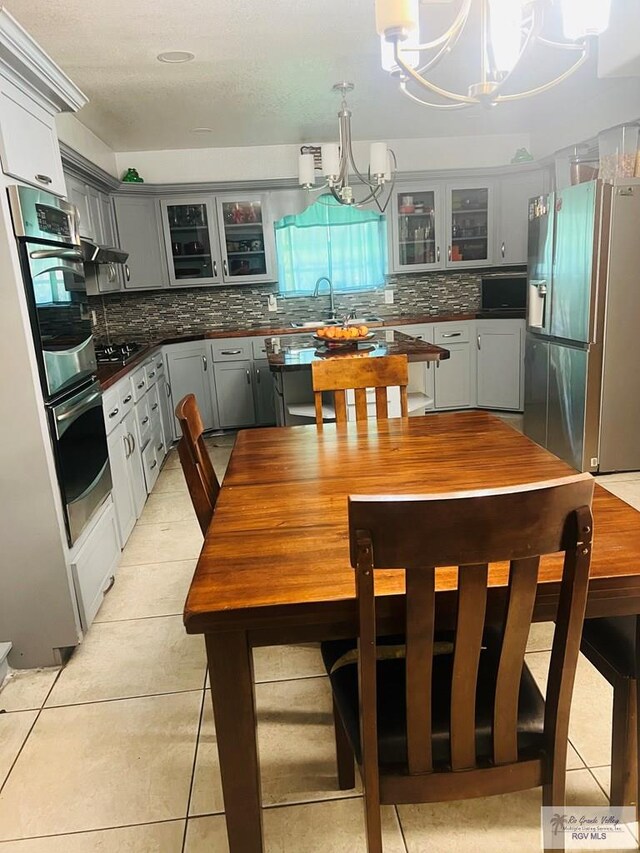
(262, 75)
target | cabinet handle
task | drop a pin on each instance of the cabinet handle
(204, 363)
(152, 374)
(258, 375)
(479, 344)
(44, 179)
(225, 268)
(127, 272)
(437, 257)
(159, 446)
(153, 464)
(168, 390)
(449, 252)
(140, 384)
(109, 585)
(127, 446)
(248, 378)
(159, 365)
(114, 412)
(133, 442)
(126, 400)
(452, 334)
(215, 269)
(145, 421)
(502, 249)
(230, 352)
(154, 407)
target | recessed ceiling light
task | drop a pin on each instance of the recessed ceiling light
(202, 130)
(175, 56)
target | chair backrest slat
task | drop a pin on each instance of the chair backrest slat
(199, 473)
(358, 374)
(470, 531)
(472, 602)
(523, 582)
(420, 603)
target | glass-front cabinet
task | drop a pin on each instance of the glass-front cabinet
(191, 241)
(416, 228)
(469, 224)
(246, 237)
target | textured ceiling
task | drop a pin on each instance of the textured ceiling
(262, 75)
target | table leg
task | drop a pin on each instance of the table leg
(232, 687)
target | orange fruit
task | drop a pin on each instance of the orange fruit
(363, 330)
(331, 332)
(320, 333)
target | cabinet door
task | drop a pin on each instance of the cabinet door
(234, 392)
(470, 224)
(191, 241)
(416, 223)
(28, 141)
(107, 220)
(139, 234)
(264, 393)
(513, 216)
(189, 370)
(95, 215)
(134, 462)
(452, 378)
(499, 365)
(120, 448)
(94, 565)
(78, 194)
(246, 238)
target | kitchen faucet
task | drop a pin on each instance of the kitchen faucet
(332, 306)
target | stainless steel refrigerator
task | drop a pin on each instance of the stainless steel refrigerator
(582, 355)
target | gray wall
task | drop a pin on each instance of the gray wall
(162, 313)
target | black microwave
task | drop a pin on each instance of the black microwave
(504, 293)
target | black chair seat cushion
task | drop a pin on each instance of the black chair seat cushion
(614, 638)
(392, 734)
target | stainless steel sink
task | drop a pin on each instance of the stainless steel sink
(314, 324)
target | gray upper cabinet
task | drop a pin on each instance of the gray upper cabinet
(191, 241)
(78, 195)
(513, 216)
(246, 238)
(140, 234)
(470, 219)
(108, 221)
(415, 219)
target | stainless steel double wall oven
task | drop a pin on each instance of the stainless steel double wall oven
(51, 257)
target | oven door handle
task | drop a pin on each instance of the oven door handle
(79, 408)
(63, 254)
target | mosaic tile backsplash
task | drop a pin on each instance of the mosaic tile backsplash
(161, 314)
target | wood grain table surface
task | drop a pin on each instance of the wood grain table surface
(274, 567)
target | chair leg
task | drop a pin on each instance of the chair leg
(624, 751)
(553, 793)
(373, 821)
(344, 753)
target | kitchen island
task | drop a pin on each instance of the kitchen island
(290, 360)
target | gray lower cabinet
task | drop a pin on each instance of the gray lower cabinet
(264, 393)
(499, 363)
(140, 234)
(234, 393)
(134, 463)
(120, 450)
(189, 372)
(452, 378)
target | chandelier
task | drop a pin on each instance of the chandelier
(508, 28)
(338, 162)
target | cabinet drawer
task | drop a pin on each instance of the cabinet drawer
(421, 331)
(452, 333)
(28, 141)
(153, 402)
(143, 419)
(150, 465)
(151, 373)
(139, 383)
(157, 441)
(259, 348)
(238, 349)
(117, 402)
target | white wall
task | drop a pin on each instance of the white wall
(72, 132)
(281, 161)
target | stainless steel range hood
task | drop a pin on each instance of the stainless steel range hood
(96, 254)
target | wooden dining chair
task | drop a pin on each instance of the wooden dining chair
(449, 710)
(610, 644)
(196, 464)
(342, 374)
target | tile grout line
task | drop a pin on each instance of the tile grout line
(99, 829)
(122, 699)
(193, 768)
(595, 779)
(402, 835)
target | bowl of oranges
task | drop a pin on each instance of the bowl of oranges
(341, 336)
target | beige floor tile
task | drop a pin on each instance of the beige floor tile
(167, 506)
(150, 838)
(172, 460)
(228, 439)
(157, 589)
(603, 775)
(277, 663)
(138, 657)
(509, 823)
(329, 827)
(14, 728)
(591, 708)
(628, 491)
(574, 762)
(297, 749)
(605, 479)
(26, 689)
(540, 637)
(170, 480)
(162, 543)
(88, 767)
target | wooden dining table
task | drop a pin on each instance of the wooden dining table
(274, 567)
